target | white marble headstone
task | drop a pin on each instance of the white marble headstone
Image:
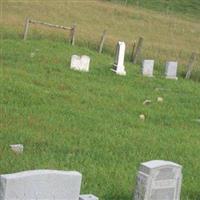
(81, 63)
(40, 185)
(88, 197)
(118, 66)
(171, 70)
(147, 68)
(158, 180)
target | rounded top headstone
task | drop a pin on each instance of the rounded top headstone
(159, 163)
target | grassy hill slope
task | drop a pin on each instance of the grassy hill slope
(186, 7)
(166, 37)
(90, 121)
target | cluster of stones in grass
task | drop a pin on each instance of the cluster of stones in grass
(82, 63)
(156, 180)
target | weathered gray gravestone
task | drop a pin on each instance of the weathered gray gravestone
(147, 68)
(80, 63)
(158, 180)
(40, 185)
(171, 70)
(118, 66)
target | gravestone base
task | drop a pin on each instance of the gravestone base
(171, 77)
(119, 72)
(88, 197)
(149, 76)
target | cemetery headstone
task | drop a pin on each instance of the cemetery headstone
(147, 68)
(158, 180)
(171, 70)
(80, 63)
(118, 66)
(88, 197)
(40, 185)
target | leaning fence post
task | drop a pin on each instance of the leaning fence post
(73, 32)
(103, 37)
(133, 51)
(138, 50)
(26, 27)
(190, 65)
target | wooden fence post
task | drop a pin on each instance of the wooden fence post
(133, 51)
(138, 50)
(190, 65)
(73, 32)
(26, 27)
(103, 37)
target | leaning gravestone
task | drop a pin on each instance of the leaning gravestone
(147, 68)
(171, 70)
(118, 66)
(158, 180)
(40, 185)
(80, 63)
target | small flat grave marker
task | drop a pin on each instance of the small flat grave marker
(118, 66)
(158, 180)
(147, 68)
(171, 70)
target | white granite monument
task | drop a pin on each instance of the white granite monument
(80, 63)
(147, 68)
(118, 66)
(158, 180)
(171, 70)
(40, 185)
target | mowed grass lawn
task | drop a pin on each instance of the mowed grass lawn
(89, 122)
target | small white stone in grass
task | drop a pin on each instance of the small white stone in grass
(147, 102)
(142, 117)
(32, 54)
(160, 99)
(17, 148)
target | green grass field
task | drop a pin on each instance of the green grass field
(166, 36)
(89, 122)
(186, 7)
